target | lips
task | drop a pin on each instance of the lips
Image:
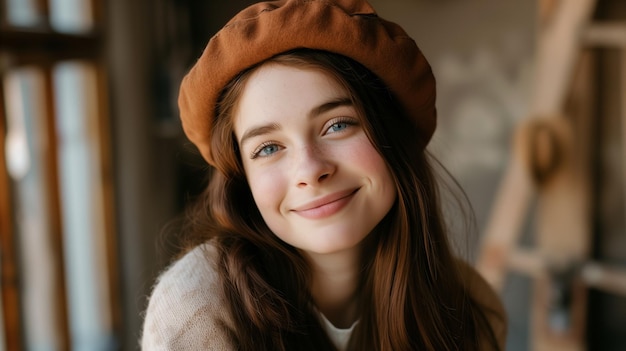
(326, 205)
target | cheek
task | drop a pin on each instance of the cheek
(364, 155)
(267, 189)
(371, 160)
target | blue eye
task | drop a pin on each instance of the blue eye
(268, 150)
(341, 124)
(265, 150)
(337, 127)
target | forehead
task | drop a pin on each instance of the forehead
(275, 90)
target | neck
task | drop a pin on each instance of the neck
(334, 286)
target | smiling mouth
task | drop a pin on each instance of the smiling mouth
(325, 206)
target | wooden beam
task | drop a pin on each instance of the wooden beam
(53, 44)
(108, 192)
(9, 279)
(547, 140)
(607, 34)
(605, 277)
(54, 208)
(623, 115)
(557, 53)
(558, 50)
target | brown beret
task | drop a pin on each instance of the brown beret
(347, 27)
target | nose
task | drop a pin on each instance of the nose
(312, 167)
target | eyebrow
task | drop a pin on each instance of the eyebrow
(256, 131)
(272, 127)
(330, 105)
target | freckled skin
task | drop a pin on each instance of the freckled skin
(317, 180)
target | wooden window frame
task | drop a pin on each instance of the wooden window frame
(43, 47)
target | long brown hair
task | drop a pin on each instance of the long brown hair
(412, 294)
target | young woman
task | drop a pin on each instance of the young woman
(321, 228)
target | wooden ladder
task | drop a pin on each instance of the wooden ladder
(550, 168)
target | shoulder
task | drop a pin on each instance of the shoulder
(484, 295)
(187, 309)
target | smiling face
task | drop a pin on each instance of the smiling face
(317, 180)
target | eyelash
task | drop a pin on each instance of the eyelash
(257, 152)
(342, 120)
(348, 121)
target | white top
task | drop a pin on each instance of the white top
(339, 337)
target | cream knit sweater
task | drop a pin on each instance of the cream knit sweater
(187, 309)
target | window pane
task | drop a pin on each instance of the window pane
(73, 16)
(82, 207)
(26, 162)
(23, 13)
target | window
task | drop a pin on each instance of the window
(56, 218)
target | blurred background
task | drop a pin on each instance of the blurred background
(94, 166)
